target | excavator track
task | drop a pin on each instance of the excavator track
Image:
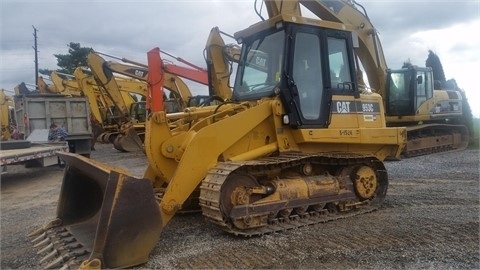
(342, 205)
(432, 138)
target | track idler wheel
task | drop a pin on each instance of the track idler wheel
(365, 182)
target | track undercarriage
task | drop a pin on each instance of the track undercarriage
(292, 190)
(432, 138)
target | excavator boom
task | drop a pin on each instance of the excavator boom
(174, 74)
(128, 138)
(65, 84)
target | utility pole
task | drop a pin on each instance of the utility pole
(35, 48)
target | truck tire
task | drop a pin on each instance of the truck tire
(15, 144)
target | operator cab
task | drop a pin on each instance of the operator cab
(304, 64)
(407, 89)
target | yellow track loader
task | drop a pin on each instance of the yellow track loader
(291, 148)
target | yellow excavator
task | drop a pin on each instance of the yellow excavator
(65, 84)
(103, 117)
(127, 138)
(219, 58)
(179, 99)
(100, 104)
(436, 120)
(180, 95)
(44, 88)
(6, 116)
(291, 148)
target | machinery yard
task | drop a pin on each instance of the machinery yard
(430, 219)
(294, 164)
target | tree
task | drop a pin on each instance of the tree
(45, 71)
(433, 61)
(76, 57)
(439, 78)
(407, 63)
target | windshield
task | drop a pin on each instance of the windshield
(399, 100)
(260, 67)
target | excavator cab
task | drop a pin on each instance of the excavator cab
(304, 64)
(407, 89)
(138, 111)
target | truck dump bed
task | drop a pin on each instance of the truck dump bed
(34, 112)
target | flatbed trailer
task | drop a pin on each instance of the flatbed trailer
(40, 154)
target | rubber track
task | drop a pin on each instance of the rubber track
(211, 188)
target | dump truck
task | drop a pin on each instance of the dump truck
(39, 111)
(35, 151)
(291, 148)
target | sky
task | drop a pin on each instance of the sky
(408, 29)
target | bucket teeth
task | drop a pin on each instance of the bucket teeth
(36, 232)
(73, 246)
(45, 249)
(42, 243)
(68, 240)
(40, 237)
(61, 252)
(64, 267)
(64, 234)
(53, 224)
(66, 260)
(49, 256)
(59, 249)
(57, 263)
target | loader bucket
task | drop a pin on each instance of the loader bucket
(105, 219)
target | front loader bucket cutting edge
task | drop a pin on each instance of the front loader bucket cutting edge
(105, 219)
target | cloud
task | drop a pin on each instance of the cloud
(126, 28)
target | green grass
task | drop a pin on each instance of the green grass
(475, 141)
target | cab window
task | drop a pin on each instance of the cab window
(340, 76)
(307, 74)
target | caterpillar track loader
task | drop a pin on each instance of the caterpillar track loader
(436, 119)
(291, 148)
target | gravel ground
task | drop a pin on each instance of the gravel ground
(430, 220)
